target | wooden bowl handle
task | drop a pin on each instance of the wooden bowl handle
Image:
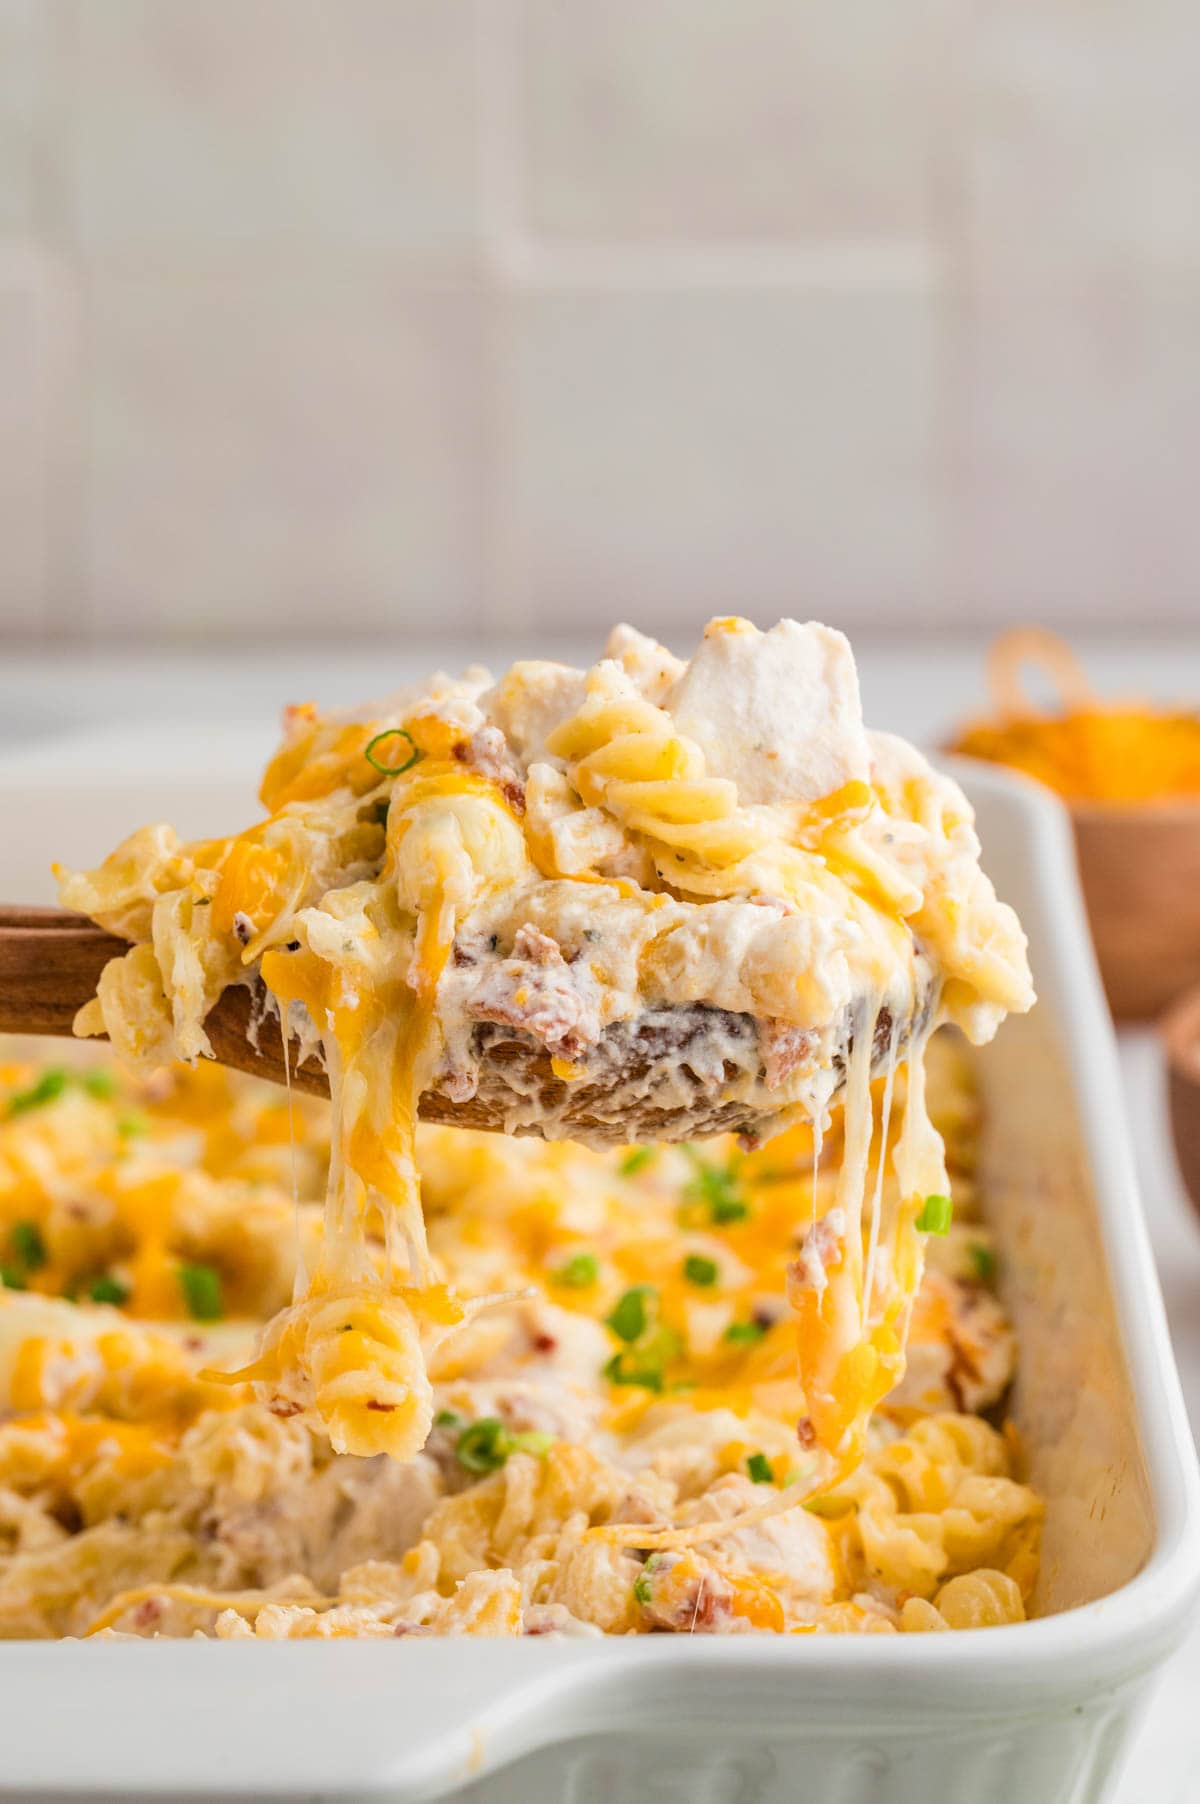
(1006, 661)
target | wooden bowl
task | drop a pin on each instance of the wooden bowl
(1140, 869)
(1181, 1043)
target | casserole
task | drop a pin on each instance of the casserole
(1041, 1709)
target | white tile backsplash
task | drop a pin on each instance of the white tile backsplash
(416, 315)
(282, 456)
(740, 119)
(249, 125)
(37, 375)
(24, 55)
(674, 455)
(1084, 130)
(1081, 442)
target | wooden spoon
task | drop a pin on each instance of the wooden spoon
(645, 1079)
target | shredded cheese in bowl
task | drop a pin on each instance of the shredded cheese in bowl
(564, 859)
(1125, 754)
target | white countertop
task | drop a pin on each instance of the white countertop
(913, 684)
(54, 707)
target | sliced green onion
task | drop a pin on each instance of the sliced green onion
(484, 1446)
(627, 1368)
(637, 1160)
(937, 1212)
(531, 1440)
(11, 1278)
(983, 1261)
(631, 1315)
(759, 1468)
(581, 1270)
(107, 1289)
(641, 1585)
(645, 1364)
(726, 1209)
(715, 1189)
(49, 1085)
(699, 1270)
(447, 1418)
(29, 1249)
(99, 1083)
(744, 1334)
(392, 770)
(131, 1124)
(201, 1287)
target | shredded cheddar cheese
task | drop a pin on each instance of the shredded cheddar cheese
(612, 1449)
(1127, 753)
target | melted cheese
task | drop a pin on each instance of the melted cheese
(806, 883)
(184, 1498)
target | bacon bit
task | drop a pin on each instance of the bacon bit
(487, 752)
(544, 1343)
(806, 1434)
(384, 1409)
(462, 958)
(412, 1628)
(283, 1408)
(148, 1614)
(193, 1343)
(962, 1376)
(297, 715)
(537, 947)
(820, 1249)
(638, 1506)
(459, 1086)
(158, 1088)
(784, 1047)
(534, 991)
(686, 1595)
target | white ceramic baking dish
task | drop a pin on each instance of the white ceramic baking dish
(1040, 1712)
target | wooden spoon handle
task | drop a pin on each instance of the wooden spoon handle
(50, 963)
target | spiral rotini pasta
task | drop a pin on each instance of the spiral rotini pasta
(975, 1600)
(359, 1358)
(939, 1501)
(625, 755)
